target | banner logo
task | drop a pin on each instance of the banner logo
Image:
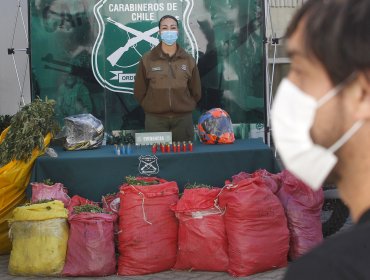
(148, 165)
(127, 31)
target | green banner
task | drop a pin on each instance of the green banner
(84, 54)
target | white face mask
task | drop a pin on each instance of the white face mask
(293, 114)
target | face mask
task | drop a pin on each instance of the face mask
(169, 37)
(293, 114)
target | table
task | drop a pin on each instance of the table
(93, 173)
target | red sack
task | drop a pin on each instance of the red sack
(272, 181)
(148, 228)
(77, 200)
(57, 191)
(240, 177)
(303, 209)
(90, 245)
(202, 243)
(256, 228)
(110, 203)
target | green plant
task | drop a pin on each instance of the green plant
(127, 138)
(48, 182)
(43, 201)
(122, 138)
(131, 180)
(87, 208)
(4, 122)
(38, 202)
(196, 186)
(27, 130)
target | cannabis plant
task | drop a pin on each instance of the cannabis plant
(27, 130)
(4, 122)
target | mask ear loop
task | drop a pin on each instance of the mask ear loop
(329, 96)
(346, 136)
(350, 132)
(333, 92)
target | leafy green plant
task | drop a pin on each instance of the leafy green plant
(196, 186)
(43, 201)
(128, 138)
(48, 182)
(122, 138)
(131, 180)
(189, 186)
(4, 122)
(27, 130)
(87, 208)
(38, 202)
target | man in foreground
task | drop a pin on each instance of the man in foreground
(321, 125)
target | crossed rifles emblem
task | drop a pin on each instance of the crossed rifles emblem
(139, 36)
(148, 165)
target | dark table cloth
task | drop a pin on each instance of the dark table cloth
(93, 173)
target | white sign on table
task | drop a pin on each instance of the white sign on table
(150, 138)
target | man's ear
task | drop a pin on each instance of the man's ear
(363, 112)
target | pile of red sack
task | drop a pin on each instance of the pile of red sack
(255, 223)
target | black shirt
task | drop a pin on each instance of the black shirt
(343, 256)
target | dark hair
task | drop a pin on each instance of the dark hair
(337, 33)
(168, 16)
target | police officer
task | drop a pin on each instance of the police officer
(167, 85)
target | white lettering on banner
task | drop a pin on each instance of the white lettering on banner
(171, 6)
(126, 78)
(144, 7)
(123, 78)
(143, 11)
(142, 16)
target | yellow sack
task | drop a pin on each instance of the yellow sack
(14, 179)
(40, 211)
(39, 247)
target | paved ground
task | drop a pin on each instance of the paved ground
(270, 275)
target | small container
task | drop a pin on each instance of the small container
(122, 149)
(168, 148)
(184, 146)
(128, 149)
(174, 147)
(154, 148)
(190, 146)
(116, 150)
